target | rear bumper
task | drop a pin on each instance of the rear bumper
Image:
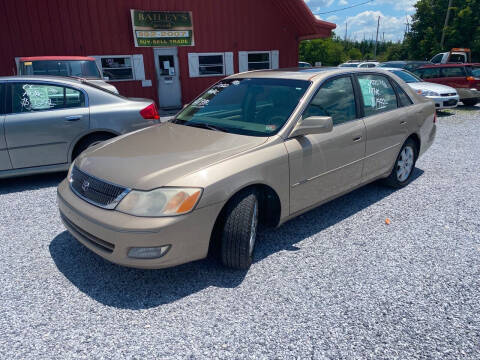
(111, 234)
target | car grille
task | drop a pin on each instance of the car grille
(450, 102)
(97, 192)
(448, 94)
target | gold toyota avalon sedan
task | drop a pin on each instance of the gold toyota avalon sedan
(257, 147)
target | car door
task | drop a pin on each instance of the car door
(325, 165)
(4, 158)
(43, 120)
(386, 123)
(454, 76)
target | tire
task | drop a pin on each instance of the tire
(470, 102)
(239, 230)
(89, 141)
(406, 160)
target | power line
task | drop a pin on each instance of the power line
(345, 8)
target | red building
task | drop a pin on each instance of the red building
(184, 48)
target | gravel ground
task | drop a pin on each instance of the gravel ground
(335, 283)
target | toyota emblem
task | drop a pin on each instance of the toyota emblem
(85, 185)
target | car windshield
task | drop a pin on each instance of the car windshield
(80, 68)
(348, 65)
(406, 76)
(257, 107)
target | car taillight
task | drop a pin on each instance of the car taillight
(150, 112)
(435, 117)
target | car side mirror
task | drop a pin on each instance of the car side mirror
(313, 125)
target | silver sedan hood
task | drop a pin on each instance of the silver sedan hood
(424, 85)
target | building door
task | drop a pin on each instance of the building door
(168, 78)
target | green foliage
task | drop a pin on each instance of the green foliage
(463, 30)
(421, 43)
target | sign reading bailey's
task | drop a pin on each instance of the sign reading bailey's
(162, 28)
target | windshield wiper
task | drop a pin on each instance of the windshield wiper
(206, 126)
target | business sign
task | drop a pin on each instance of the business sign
(162, 28)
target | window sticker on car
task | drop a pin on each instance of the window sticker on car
(200, 102)
(223, 85)
(371, 90)
(236, 82)
(37, 97)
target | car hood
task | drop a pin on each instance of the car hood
(155, 156)
(423, 85)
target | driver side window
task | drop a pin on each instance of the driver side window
(336, 99)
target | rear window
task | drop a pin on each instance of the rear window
(475, 71)
(453, 72)
(79, 68)
(457, 58)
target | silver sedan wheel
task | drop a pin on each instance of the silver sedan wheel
(253, 228)
(405, 163)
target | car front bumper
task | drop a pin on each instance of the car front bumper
(445, 102)
(111, 234)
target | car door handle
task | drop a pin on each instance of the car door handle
(73, 117)
(356, 139)
(403, 123)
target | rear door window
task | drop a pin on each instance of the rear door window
(377, 94)
(27, 97)
(453, 72)
(428, 73)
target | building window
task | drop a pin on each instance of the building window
(210, 64)
(116, 68)
(258, 60)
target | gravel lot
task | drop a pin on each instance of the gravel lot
(335, 283)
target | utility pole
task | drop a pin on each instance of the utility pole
(446, 23)
(376, 40)
(346, 27)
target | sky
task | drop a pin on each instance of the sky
(362, 20)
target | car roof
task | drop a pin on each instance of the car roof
(449, 65)
(38, 58)
(304, 73)
(73, 81)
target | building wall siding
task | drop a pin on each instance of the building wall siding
(93, 27)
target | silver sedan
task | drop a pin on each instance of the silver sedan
(46, 122)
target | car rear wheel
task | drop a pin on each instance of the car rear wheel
(240, 230)
(89, 141)
(470, 102)
(402, 171)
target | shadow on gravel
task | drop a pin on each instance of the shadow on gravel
(444, 113)
(468, 108)
(32, 182)
(128, 288)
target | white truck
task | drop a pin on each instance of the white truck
(456, 55)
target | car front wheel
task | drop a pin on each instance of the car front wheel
(402, 171)
(240, 230)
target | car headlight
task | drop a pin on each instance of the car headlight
(160, 202)
(427, 93)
